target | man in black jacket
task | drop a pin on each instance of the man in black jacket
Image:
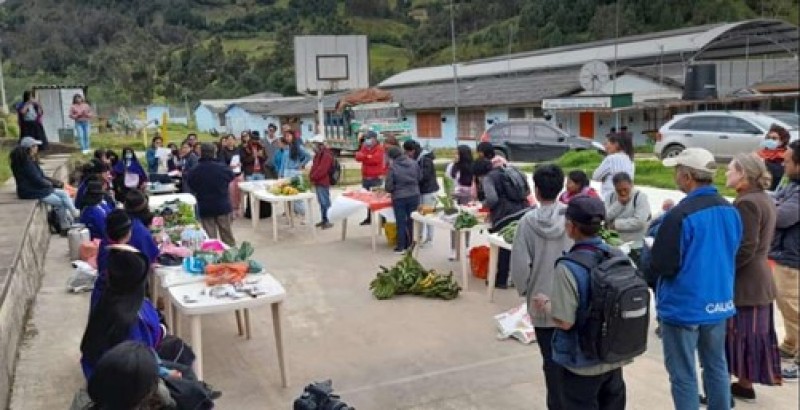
(428, 185)
(209, 181)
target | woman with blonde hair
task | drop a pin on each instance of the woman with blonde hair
(751, 343)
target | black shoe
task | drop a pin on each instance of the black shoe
(319, 224)
(213, 394)
(501, 286)
(704, 401)
(658, 331)
(366, 222)
(742, 393)
(327, 225)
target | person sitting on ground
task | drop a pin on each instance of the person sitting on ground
(210, 180)
(320, 177)
(628, 212)
(587, 383)
(371, 156)
(128, 173)
(619, 158)
(95, 209)
(540, 240)
(31, 182)
(773, 150)
(577, 184)
(402, 182)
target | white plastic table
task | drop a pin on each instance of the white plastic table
(496, 242)
(438, 223)
(204, 304)
(161, 189)
(246, 187)
(257, 196)
(158, 200)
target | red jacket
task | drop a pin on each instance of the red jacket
(371, 160)
(320, 174)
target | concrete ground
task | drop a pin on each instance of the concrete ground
(405, 353)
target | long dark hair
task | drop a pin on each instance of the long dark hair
(125, 377)
(26, 95)
(463, 166)
(294, 147)
(137, 206)
(624, 142)
(19, 156)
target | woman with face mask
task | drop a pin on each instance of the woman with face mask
(128, 173)
(773, 149)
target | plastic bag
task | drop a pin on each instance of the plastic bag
(515, 323)
(82, 280)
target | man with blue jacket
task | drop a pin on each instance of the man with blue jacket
(209, 181)
(693, 259)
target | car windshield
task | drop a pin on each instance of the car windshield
(788, 118)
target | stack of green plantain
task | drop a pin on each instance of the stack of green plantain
(409, 277)
(509, 231)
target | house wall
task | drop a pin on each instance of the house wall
(448, 139)
(603, 122)
(206, 119)
(156, 112)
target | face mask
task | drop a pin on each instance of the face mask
(370, 142)
(129, 156)
(769, 144)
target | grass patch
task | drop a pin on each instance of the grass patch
(377, 26)
(175, 133)
(253, 47)
(5, 166)
(385, 56)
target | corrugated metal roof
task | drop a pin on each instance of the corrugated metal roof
(644, 49)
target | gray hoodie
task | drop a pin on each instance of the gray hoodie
(402, 180)
(541, 239)
(630, 220)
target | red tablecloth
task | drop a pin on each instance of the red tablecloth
(373, 200)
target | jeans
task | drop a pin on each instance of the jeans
(602, 392)
(82, 131)
(552, 370)
(255, 177)
(403, 207)
(428, 199)
(680, 343)
(60, 199)
(367, 184)
(324, 199)
(503, 265)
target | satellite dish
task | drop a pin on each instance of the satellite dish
(593, 76)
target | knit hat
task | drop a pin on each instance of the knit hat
(118, 224)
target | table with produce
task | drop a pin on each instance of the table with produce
(376, 201)
(284, 191)
(460, 219)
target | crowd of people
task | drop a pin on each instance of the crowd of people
(715, 267)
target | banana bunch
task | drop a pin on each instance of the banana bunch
(409, 277)
(289, 190)
(384, 285)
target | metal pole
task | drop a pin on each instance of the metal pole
(4, 107)
(455, 69)
(616, 48)
(321, 113)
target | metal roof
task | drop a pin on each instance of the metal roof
(785, 78)
(762, 36)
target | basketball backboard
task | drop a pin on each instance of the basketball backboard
(331, 63)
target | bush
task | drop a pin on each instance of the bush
(580, 159)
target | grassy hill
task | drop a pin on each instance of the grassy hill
(137, 52)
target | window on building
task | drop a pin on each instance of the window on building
(471, 124)
(517, 113)
(429, 124)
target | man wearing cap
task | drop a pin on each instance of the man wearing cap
(209, 181)
(320, 176)
(586, 383)
(693, 261)
(371, 157)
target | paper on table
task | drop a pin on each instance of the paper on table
(236, 164)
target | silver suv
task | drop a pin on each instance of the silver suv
(724, 133)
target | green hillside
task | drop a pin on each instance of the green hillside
(134, 52)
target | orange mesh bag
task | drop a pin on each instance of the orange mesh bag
(479, 261)
(226, 273)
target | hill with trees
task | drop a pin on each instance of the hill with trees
(134, 52)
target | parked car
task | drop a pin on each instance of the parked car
(533, 141)
(724, 133)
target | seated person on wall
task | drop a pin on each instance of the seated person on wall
(33, 184)
(95, 209)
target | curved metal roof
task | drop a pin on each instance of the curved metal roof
(761, 36)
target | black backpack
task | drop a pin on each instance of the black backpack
(616, 319)
(335, 173)
(515, 184)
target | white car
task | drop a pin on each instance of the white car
(724, 133)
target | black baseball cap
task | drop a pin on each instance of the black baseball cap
(586, 210)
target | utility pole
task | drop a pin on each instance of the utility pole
(616, 48)
(4, 106)
(455, 69)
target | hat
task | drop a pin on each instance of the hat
(95, 187)
(118, 224)
(27, 142)
(135, 201)
(371, 134)
(695, 158)
(127, 268)
(319, 139)
(586, 210)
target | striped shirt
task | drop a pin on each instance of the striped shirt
(612, 164)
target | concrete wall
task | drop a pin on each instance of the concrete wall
(206, 119)
(22, 254)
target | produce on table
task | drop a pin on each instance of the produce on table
(509, 231)
(292, 186)
(465, 220)
(229, 267)
(242, 254)
(448, 204)
(176, 213)
(610, 236)
(409, 277)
